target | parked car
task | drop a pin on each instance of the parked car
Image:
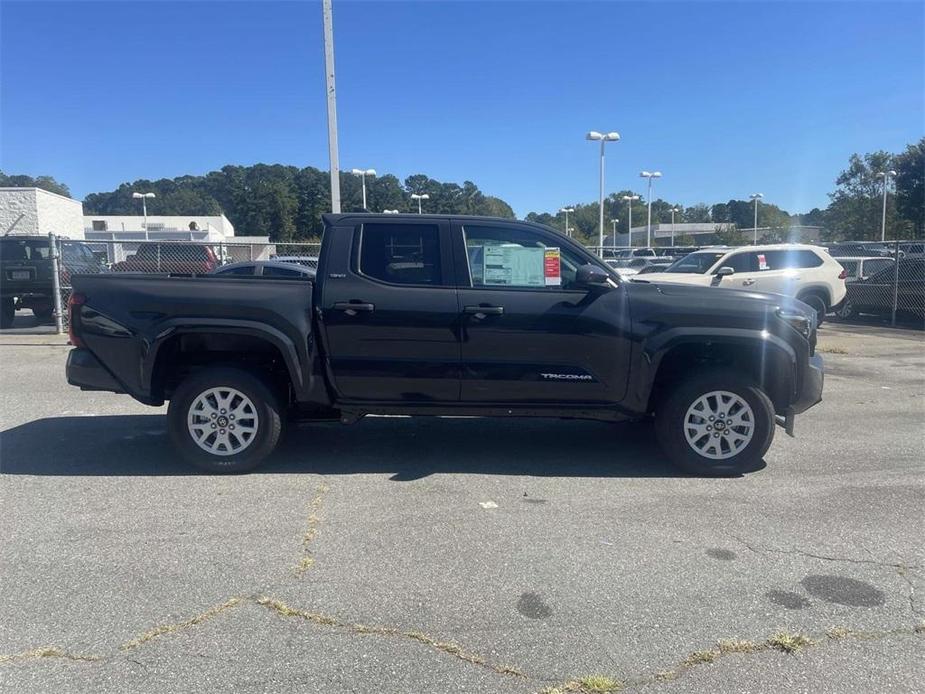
(860, 250)
(310, 261)
(265, 268)
(913, 249)
(447, 315)
(630, 267)
(862, 268)
(653, 267)
(628, 253)
(27, 278)
(874, 294)
(808, 273)
(170, 257)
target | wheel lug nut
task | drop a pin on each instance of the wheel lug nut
(214, 415)
(712, 418)
(715, 435)
(232, 418)
(221, 431)
(729, 422)
(223, 412)
(213, 426)
(709, 428)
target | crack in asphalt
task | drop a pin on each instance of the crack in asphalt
(283, 610)
(48, 652)
(162, 629)
(315, 516)
(850, 560)
(785, 642)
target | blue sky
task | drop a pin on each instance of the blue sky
(725, 98)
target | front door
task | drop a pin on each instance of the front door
(528, 334)
(390, 314)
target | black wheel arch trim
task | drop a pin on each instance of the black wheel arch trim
(179, 326)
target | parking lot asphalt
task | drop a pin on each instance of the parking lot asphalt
(463, 555)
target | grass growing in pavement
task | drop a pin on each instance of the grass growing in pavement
(789, 643)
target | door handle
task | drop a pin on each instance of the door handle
(747, 283)
(482, 311)
(354, 307)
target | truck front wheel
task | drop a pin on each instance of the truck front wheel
(715, 424)
(224, 420)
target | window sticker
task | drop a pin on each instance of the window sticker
(514, 266)
(762, 262)
(552, 267)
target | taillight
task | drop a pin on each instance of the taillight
(843, 275)
(77, 299)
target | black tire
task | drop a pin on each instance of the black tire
(818, 304)
(670, 424)
(846, 310)
(7, 312)
(265, 405)
(43, 313)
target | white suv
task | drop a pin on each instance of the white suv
(808, 273)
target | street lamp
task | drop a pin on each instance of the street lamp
(422, 196)
(885, 175)
(363, 173)
(756, 197)
(650, 175)
(144, 206)
(673, 210)
(603, 138)
(566, 210)
(629, 222)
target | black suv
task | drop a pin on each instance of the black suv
(26, 276)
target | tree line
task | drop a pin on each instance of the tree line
(286, 202)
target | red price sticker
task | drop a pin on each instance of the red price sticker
(552, 267)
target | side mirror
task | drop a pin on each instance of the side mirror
(589, 275)
(725, 271)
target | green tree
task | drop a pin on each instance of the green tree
(44, 182)
(855, 208)
(910, 190)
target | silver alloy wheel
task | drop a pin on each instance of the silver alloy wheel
(719, 425)
(222, 421)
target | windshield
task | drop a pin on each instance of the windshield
(696, 263)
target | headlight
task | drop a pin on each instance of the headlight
(802, 323)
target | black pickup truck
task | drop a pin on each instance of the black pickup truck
(444, 315)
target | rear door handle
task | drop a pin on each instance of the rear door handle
(354, 307)
(482, 311)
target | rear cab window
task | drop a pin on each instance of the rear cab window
(401, 253)
(24, 249)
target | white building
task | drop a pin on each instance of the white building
(102, 227)
(33, 211)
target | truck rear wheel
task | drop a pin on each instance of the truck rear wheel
(224, 420)
(7, 312)
(715, 424)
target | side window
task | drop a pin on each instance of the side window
(401, 253)
(789, 260)
(240, 270)
(742, 262)
(874, 266)
(512, 257)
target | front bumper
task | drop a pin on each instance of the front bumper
(811, 390)
(86, 372)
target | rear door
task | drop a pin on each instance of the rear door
(528, 334)
(390, 312)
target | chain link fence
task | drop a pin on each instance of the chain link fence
(889, 284)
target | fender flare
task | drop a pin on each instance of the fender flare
(184, 326)
(654, 349)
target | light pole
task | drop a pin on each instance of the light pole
(756, 197)
(650, 175)
(885, 175)
(603, 138)
(629, 222)
(614, 222)
(422, 196)
(363, 173)
(144, 206)
(328, 16)
(566, 210)
(673, 210)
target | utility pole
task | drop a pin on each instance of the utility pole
(332, 103)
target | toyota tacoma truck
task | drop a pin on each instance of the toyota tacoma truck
(447, 316)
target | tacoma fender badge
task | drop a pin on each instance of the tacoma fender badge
(567, 377)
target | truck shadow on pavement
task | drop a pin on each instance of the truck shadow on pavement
(404, 448)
